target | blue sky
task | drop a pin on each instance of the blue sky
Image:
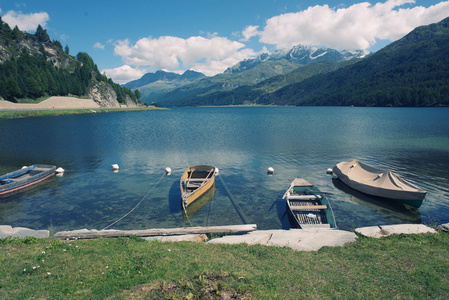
(127, 39)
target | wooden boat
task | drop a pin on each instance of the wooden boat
(18, 180)
(196, 181)
(377, 182)
(197, 205)
(309, 206)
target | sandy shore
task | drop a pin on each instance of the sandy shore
(52, 102)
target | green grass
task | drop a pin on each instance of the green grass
(9, 114)
(396, 267)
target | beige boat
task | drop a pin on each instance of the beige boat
(196, 181)
(377, 182)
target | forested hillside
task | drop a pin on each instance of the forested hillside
(32, 66)
(413, 71)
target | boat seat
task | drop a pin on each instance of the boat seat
(303, 197)
(308, 207)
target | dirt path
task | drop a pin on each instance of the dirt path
(52, 102)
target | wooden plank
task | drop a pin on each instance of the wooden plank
(308, 207)
(91, 234)
(315, 226)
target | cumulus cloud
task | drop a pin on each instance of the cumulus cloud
(211, 55)
(98, 45)
(25, 22)
(354, 27)
(124, 74)
(249, 32)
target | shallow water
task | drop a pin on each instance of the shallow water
(242, 142)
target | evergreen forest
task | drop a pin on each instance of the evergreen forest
(26, 72)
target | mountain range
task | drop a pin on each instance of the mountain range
(413, 71)
(165, 86)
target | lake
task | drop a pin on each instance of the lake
(242, 142)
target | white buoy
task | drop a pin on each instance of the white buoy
(115, 167)
(270, 170)
(329, 171)
(59, 172)
(217, 171)
(167, 171)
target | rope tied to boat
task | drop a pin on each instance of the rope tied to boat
(149, 191)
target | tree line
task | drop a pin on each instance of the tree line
(32, 75)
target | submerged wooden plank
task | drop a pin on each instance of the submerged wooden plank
(308, 207)
(91, 234)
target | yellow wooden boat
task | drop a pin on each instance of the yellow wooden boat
(196, 181)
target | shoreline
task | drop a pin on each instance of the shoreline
(58, 106)
(296, 239)
(54, 102)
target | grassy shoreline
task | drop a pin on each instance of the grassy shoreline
(412, 266)
(11, 114)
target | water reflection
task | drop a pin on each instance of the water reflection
(199, 204)
(392, 212)
(242, 143)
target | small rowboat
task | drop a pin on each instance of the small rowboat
(18, 180)
(196, 181)
(309, 206)
(377, 182)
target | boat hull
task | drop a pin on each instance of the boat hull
(15, 182)
(308, 206)
(195, 182)
(411, 197)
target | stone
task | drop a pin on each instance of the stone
(22, 232)
(297, 239)
(386, 230)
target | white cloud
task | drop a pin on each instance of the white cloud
(354, 27)
(98, 45)
(211, 55)
(25, 22)
(124, 74)
(212, 67)
(249, 32)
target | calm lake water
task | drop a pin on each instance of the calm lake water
(242, 142)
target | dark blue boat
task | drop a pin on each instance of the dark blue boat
(13, 182)
(309, 206)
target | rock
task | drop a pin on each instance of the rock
(444, 227)
(103, 94)
(386, 230)
(22, 232)
(297, 239)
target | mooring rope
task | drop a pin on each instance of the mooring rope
(149, 191)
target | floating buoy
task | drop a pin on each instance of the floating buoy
(329, 171)
(167, 171)
(115, 167)
(217, 171)
(270, 171)
(59, 172)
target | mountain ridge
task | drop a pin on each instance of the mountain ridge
(164, 86)
(413, 71)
